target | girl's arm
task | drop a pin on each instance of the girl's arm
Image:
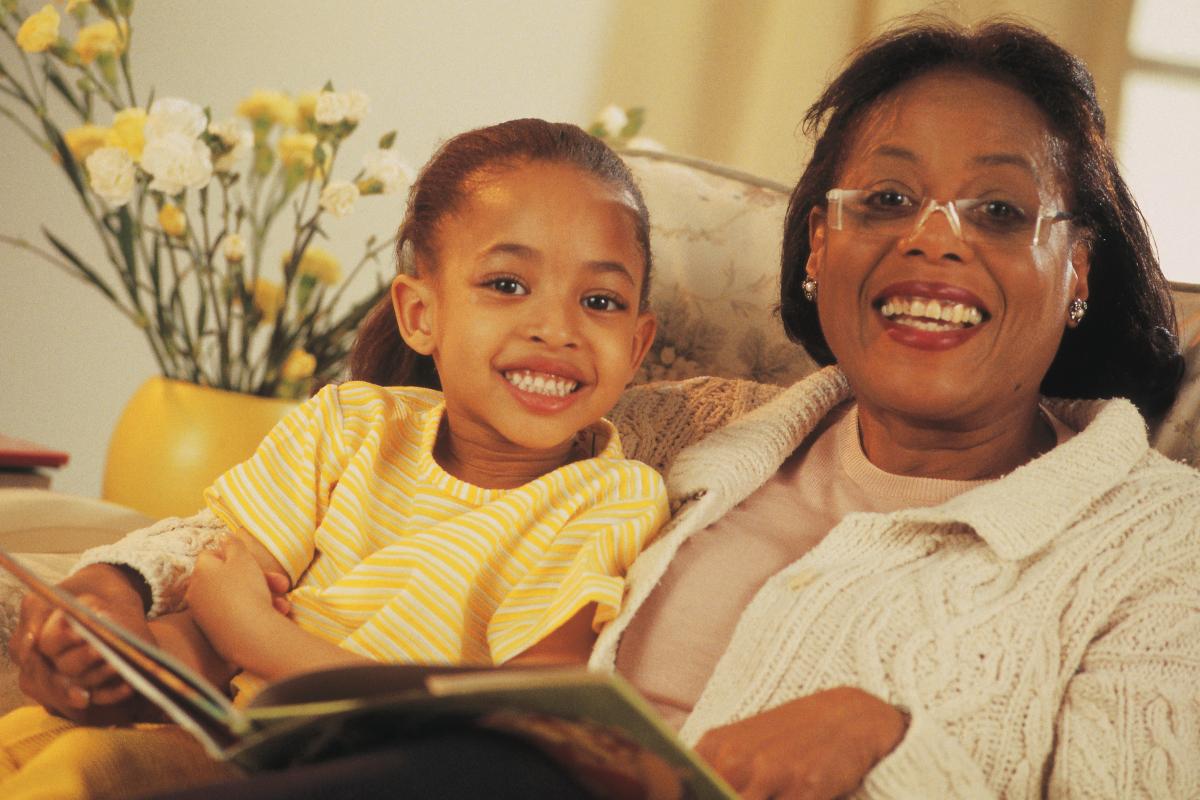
(570, 644)
(231, 602)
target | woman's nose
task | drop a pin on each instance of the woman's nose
(937, 234)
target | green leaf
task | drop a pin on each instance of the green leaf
(637, 118)
(387, 140)
(597, 130)
(328, 87)
(64, 156)
(56, 80)
(125, 7)
(126, 232)
(108, 68)
(79, 264)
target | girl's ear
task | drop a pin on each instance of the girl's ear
(643, 336)
(413, 303)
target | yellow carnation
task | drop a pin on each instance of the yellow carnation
(268, 297)
(306, 110)
(172, 220)
(39, 30)
(99, 38)
(129, 131)
(321, 265)
(85, 140)
(263, 105)
(297, 148)
(299, 364)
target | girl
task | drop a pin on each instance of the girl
(489, 521)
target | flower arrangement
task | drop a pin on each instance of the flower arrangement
(184, 205)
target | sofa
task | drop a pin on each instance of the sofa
(716, 237)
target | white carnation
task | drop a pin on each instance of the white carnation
(235, 136)
(388, 169)
(234, 247)
(336, 107)
(111, 174)
(613, 119)
(174, 115)
(646, 143)
(338, 197)
(331, 108)
(177, 162)
(357, 104)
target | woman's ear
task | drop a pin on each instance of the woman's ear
(816, 242)
(1081, 265)
(413, 301)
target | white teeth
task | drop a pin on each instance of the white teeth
(541, 383)
(930, 314)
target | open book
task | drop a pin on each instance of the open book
(595, 725)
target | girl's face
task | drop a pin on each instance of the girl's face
(948, 135)
(531, 312)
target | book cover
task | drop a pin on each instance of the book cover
(593, 724)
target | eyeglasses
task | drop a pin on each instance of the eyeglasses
(890, 214)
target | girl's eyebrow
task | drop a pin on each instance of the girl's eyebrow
(527, 253)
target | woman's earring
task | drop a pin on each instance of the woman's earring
(809, 287)
(1076, 310)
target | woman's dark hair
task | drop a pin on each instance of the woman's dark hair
(1126, 346)
(458, 167)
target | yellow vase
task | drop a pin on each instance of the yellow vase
(175, 438)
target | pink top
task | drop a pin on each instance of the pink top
(674, 641)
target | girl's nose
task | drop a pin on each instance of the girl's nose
(554, 323)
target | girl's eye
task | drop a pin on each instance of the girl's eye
(603, 302)
(507, 286)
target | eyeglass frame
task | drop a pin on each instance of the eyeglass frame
(949, 209)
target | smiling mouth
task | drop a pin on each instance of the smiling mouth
(928, 314)
(540, 383)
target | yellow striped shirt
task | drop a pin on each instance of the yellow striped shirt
(393, 558)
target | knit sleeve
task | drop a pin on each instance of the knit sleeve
(585, 563)
(1130, 722)
(928, 762)
(658, 420)
(280, 494)
(164, 554)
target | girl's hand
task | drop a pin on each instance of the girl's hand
(819, 746)
(229, 595)
(60, 670)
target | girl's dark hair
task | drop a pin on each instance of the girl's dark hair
(1126, 346)
(379, 354)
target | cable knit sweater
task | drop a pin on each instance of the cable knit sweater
(1042, 630)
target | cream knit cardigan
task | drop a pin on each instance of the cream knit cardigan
(1042, 630)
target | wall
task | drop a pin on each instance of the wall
(68, 361)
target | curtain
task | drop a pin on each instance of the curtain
(729, 80)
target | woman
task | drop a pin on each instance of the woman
(934, 581)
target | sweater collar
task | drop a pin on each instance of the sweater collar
(1016, 515)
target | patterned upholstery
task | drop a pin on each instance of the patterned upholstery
(716, 236)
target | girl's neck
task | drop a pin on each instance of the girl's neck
(902, 447)
(488, 466)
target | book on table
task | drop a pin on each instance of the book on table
(593, 724)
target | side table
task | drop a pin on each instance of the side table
(22, 463)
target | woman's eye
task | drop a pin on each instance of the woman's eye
(999, 210)
(507, 286)
(603, 302)
(887, 198)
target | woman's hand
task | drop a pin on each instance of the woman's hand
(820, 746)
(60, 670)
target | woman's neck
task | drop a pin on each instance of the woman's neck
(918, 448)
(489, 466)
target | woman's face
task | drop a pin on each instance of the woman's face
(948, 135)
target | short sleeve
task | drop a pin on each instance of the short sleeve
(280, 494)
(585, 563)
